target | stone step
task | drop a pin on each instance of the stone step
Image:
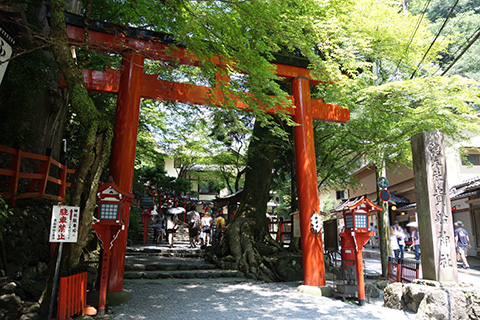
(162, 262)
(162, 250)
(182, 274)
(165, 265)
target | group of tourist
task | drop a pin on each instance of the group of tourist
(165, 227)
(202, 228)
(398, 237)
(397, 241)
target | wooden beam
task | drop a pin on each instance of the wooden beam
(119, 42)
(153, 88)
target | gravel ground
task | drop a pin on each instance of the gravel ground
(238, 299)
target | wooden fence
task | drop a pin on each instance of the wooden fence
(72, 295)
(22, 185)
(403, 270)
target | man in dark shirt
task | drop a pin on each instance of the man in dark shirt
(193, 218)
(462, 243)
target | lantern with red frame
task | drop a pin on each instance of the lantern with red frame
(356, 235)
(111, 202)
(147, 205)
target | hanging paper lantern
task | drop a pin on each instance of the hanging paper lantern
(316, 223)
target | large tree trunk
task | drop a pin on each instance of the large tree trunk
(96, 146)
(247, 243)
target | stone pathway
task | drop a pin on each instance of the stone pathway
(176, 283)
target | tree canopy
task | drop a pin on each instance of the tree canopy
(363, 51)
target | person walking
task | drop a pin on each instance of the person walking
(376, 237)
(462, 243)
(220, 224)
(193, 226)
(172, 226)
(206, 224)
(158, 231)
(372, 241)
(394, 243)
(416, 242)
(400, 239)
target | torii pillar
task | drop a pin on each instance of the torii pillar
(123, 152)
(312, 248)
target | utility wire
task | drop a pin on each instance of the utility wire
(466, 42)
(413, 34)
(475, 38)
(436, 37)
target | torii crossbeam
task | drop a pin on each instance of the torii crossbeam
(131, 84)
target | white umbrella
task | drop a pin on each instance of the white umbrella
(413, 224)
(177, 210)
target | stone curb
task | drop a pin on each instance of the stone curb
(182, 274)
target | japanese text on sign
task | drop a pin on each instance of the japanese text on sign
(64, 226)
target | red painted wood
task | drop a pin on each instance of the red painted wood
(39, 179)
(152, 88)
(164, 52)
(123, 152)
(132, 85)
(313, 265)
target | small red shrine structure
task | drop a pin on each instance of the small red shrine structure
(356, 235)
(131, 84)
(112, 201)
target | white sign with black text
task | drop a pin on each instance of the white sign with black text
(64, 226)
(5, 52)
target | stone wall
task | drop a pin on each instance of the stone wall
(25, 240)
(434, 300)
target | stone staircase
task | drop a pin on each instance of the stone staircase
(162, 262)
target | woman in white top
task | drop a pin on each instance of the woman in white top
(394, 243)
(401, 240)
(172, 226)
(206, 223)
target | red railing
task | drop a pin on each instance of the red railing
(72, 295)
(37, 184)
(402, 270)
(279, 228)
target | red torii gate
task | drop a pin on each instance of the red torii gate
(131, 85)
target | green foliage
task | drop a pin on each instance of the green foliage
(24, 81)
(5, 212)
(134, 224)
(181, 186)
(458, 32)
(155, 176)
(328, 204)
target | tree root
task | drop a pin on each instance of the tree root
(239, 242)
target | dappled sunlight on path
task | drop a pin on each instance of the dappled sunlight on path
(237, 299)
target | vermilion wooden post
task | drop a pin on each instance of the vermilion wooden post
(15, 166)
(313, 265)
(45, 173)
(106, 261)
(63, 187)
(123, 152)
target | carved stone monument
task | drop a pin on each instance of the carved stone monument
(433, 207)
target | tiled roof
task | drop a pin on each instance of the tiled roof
(464, 189)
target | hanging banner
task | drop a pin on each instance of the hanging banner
(64, 225)
(5, 52)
